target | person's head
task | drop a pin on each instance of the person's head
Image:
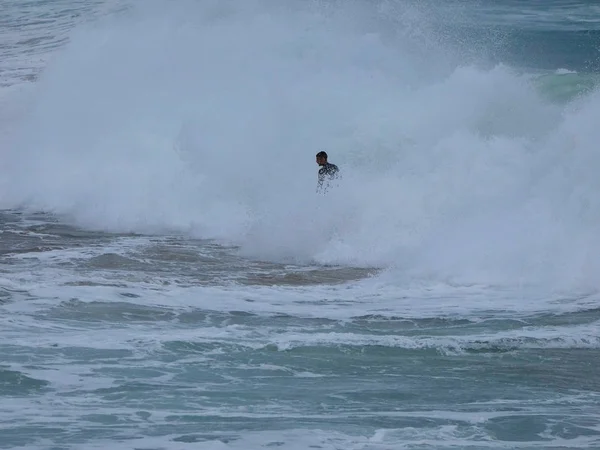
(321, 158)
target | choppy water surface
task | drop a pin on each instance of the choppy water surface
(169, 279)
(162, 342)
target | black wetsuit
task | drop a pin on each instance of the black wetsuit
(327, 170)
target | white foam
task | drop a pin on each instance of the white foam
(565, 71)
(206, 120)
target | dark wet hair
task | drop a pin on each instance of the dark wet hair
(322, 155)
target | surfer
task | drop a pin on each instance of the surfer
(327, 170)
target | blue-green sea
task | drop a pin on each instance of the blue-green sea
(171, 279)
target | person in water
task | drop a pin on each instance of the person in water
(327, 172)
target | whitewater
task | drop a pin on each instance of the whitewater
(171, 279)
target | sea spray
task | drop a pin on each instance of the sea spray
(206, 119)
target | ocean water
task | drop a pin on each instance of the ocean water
(170, 279)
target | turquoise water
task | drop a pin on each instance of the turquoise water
(169, 280)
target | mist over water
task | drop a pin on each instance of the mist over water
(204, 119)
